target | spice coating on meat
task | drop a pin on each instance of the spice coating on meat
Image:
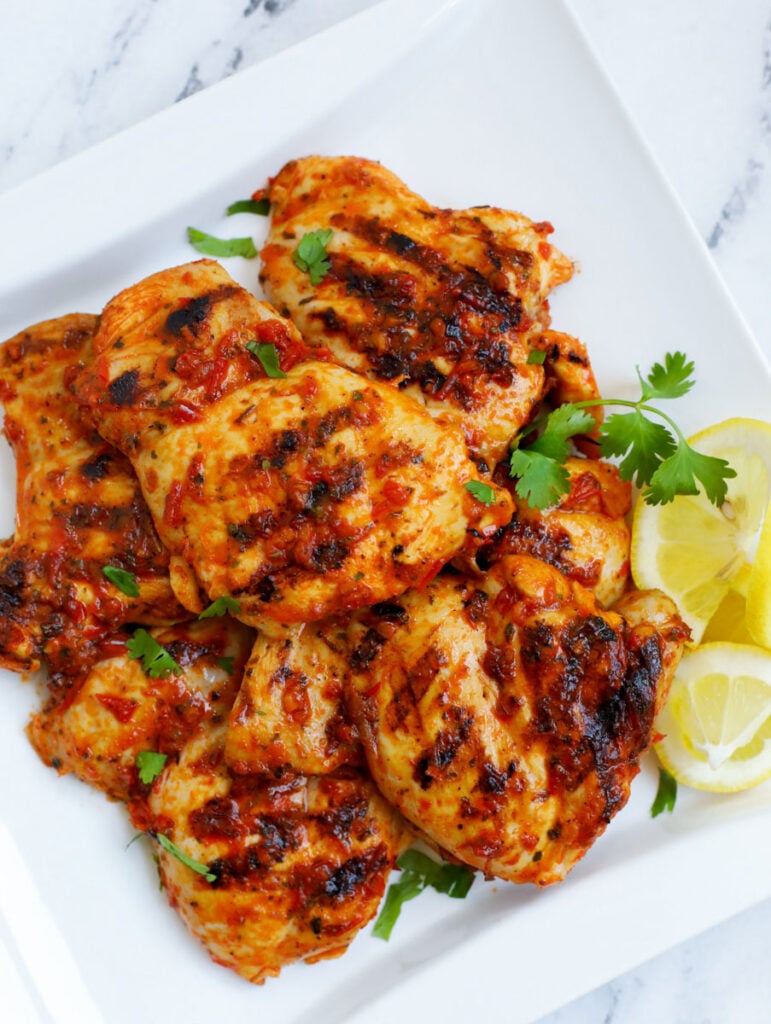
(506, 717)
(439, 303)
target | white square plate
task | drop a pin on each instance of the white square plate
(495, 101)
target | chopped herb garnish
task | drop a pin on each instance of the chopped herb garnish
(150, 765)
(311, 254)
(419, 872)
(666, 794)
(156, 660)
(481, 491)
(194, 865)
(654, 457)
(222, 604)
(211, 246)
(260, 206)
(268, 356)
(536, 357)
(226, 664)
(126, 582)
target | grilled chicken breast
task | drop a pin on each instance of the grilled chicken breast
(440, 303)
(298, 864)
(79, 509)
(120, 711)
(584, 534)
(289, 712)
(301, 495)
(506, 717)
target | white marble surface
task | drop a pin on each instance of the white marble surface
(696, 77)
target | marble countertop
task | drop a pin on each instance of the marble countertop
(696, 77)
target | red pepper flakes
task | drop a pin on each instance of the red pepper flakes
(122, 708)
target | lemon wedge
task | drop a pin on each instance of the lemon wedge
(717, 721)
(699, 554)
(758, 603)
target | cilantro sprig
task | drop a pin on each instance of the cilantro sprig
(666, 794)
(655, 455)
(126, 582)
(481, 491)
(174, 850)
(222, 604)
(311, 255)
(209, 245)
(268, 356)
(418, 872)
(150, 765)
(156, 660)
(258, 206)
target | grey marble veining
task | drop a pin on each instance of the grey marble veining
(696, 77)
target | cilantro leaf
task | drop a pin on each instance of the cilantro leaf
(226, 664)
(536, 357)
(481, 491)
(672, 380)
(542, 480)
(644, 442)
(666, 794)
(194, 865)
(156, 660)
(222, 604)
(150, 765)
(260, 206)
(211, 246)
(268, 356)
(419, 872)
(126, 582)
(311, 254)
(565, 422)
(678, 475)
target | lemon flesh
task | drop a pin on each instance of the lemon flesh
(699, 554)
(717, 721)
(758, 603)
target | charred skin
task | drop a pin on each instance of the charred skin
(300, 863)
(506, 717)
(301, 496)
(439, 303)
(79, 508)
(120, 711)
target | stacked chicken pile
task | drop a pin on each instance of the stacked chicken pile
(431, 656)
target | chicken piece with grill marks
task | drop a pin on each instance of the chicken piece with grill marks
(584, 535)
(289, 712)
(506, 717)
(441, 303)
(301, 495)
(79, 509)
(119, 710)
(296, 864)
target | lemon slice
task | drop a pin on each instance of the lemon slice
(698, 553)
(758, 611)
(717, 721)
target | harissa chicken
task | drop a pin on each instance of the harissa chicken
(357, 633)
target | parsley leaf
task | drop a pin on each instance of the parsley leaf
(222, 604)
(481, 491)
(194, 865)
(226, 664)
(211, 246)
(150, 765)
(126, 582)
(419, 872)
(666, 794)
(156, 660)
(311, 254)
(672, 380)
(654, 456)
(260, 206)
(268, 356)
